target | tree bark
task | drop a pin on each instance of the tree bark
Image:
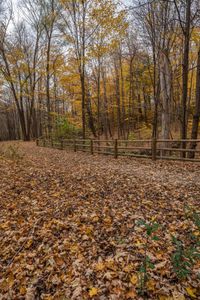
(196, 116)
(165, 86)
(185, 73)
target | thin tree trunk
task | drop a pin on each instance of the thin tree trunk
(117, 82)
(122, 95)
(196, 116)
(48, 85)
(185, 73)
(165, 86)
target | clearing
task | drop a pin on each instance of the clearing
(69, 225)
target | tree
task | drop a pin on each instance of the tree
(186, 30)
(196, 116)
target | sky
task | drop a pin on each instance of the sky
(126, 2)
(17, 14)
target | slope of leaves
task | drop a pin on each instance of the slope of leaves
(69, 225)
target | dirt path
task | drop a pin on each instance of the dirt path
(68, 225)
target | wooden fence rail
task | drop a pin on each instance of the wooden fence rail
(152, 148)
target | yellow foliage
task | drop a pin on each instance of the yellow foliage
(93, 292)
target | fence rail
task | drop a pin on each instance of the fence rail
(183, 150)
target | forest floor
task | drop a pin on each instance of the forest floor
(70, 226)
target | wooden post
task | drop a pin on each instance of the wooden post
(44, 144)
(61, 144)
(153, 148)
(37, 142)
(116, 149)
(75, 146)
(52, 142)
(92, 146)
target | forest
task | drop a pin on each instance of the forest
(99, 149)
(102, 69)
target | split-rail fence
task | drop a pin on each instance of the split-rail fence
(183, 150)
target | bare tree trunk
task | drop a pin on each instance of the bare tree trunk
(83, 69)
(98, 97)
(185, 73)
(155, 94)
(48, 85)
(122, 95)
(89, 112)
(118, 100)
(165, 86)
(105, 107)
(196, 116)
(131, 97)
(82, 76)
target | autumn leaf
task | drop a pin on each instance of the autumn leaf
(134, 279)
(100, 266)
(178, 296)
(128, 268)
(160, 265)
(138, 244)
(11, 280)
(29, 243)
(22, 290)
(191, 292)
(4, 285)
(131, 294)
(163, 297)
(151, 285)
(93, 292)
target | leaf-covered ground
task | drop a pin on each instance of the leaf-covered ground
(69, 225)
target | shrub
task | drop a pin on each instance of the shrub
(64, 129)
(11, 152)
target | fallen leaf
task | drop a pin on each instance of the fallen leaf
(93, 292)
(22, 290)
(178, 296)
(134, 279)
(151, 285)
(160, 265)
(191, 292)
(164, 297)
(100, 266)
(131, 294)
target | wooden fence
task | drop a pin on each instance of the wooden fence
(183, 150)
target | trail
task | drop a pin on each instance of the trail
(68, 224)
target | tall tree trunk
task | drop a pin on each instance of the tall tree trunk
(165, 86)
(48, 86)
(156, 88)
(117, 82)
(185, 73)
(90, 114)
(196, 116)
(98, 96)
(82, 60)
(105, 106)
(122, 95)
(83, 104)
(131, 98)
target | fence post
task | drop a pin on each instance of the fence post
(92, 146)
(116, 149)
(153, 148)
(61, 144)
(75, 146)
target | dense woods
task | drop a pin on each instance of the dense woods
(102, 69)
